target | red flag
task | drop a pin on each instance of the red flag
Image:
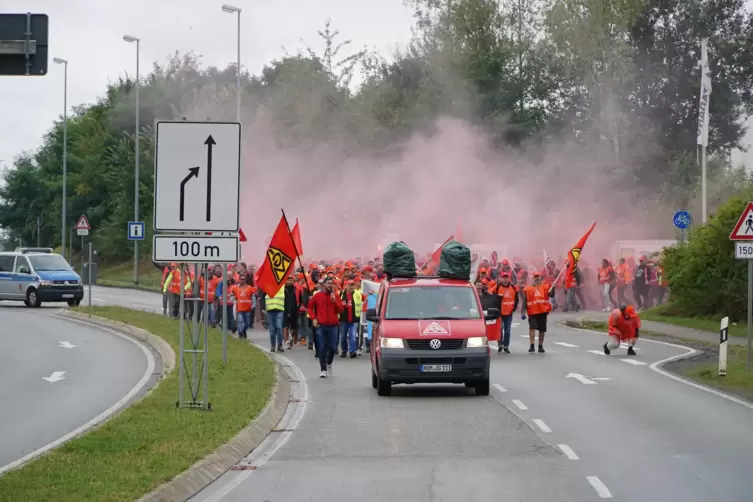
(573, 257)
(296, 233)
(438, 253)
(241, 235)
(278, 263)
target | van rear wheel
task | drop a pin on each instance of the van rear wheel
(374, 379)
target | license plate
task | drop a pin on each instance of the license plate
(435, 368)
(67, 296)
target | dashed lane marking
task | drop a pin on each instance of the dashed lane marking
(519, 404)
(565, 344)
(597, 352)
(601, 489)
(499, 387)
(569, 453)
(633, 362)
(541, 425)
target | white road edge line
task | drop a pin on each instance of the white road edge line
(283, 438)
(689, 352)
(569, 453)
(565, 344)
(102, 416)
(601, 489)
(519, 404)
(541, 425)
(499, 387)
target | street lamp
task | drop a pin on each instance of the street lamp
(63, 229)
(131, 39)
(233, 10)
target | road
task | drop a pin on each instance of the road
(611, 429)
(88, 371)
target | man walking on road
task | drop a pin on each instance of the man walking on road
(536, 305)
(623, 327)
(325, 308)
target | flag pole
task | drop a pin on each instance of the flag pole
(297, 252)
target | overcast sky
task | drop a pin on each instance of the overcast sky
(88, 33)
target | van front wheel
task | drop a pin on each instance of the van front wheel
(482, 388)
(32, 298)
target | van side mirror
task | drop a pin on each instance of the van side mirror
(24, 270)
(492, 314)
(371, 315)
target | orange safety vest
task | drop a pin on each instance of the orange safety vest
(212, 287)
(174, 286)
(604, 275)
(508, 298)
(243, 296)
(537, 299)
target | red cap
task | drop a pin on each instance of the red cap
(630, 311)
(537, 274)
(505, 274)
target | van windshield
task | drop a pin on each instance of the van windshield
(432, 302)
(49, 263)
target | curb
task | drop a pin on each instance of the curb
(128, 286)
(164, 350)
(206, 471)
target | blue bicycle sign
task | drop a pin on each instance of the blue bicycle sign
(682, 219)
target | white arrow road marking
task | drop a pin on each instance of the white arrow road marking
(66, 345)
(582, 379)
(541, 425)
(597, 352)
(600, 379)
(515, 324)
(565, 344)
(499, 387)
(633, 362)
(55, 377)
(569, 453)
(519, 404)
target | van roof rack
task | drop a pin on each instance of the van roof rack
(34, 250)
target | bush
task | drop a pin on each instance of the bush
(704, 277)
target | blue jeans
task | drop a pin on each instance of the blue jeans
(348, 332)
(244, 322)
(274, 319)
(326, 345)
(506, 329)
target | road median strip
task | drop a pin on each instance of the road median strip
(152, 449)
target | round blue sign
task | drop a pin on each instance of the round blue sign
(682, 219)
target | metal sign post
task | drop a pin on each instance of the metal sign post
(187, 226)
(90, 278)
(682, 221)
(742, 236)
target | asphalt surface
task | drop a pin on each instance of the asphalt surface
(98, 370)
(631, 434)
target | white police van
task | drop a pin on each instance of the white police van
(37, 275)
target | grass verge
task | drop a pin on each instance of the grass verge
(738, 381)
(121, 275)
(150, 442)
(661, 314)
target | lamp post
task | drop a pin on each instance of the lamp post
(232, 10)
(64, 216)
(235, 10)
(136, 183)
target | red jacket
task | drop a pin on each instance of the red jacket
(324, 310)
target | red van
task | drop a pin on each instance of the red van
(429, 330)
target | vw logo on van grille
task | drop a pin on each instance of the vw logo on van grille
(435, 344)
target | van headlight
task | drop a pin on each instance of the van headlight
(477, 341)
(45, 283)
(391, 343)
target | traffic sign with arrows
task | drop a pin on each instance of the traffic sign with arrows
(197, 163)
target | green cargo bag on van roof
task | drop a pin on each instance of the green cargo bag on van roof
(399, 261)
(455, 261)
